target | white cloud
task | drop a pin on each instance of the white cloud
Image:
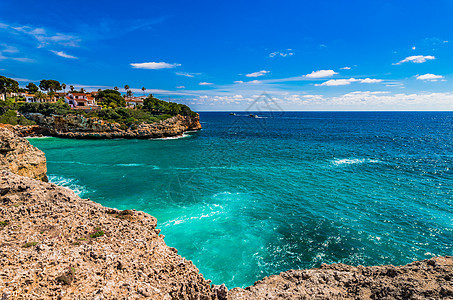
(369, 80)
(191, 75)
(45, 37)
(339, 82)
(430, 77)
(63, 54)
(154, 65)
(418, 59)
(413, 48)
(205, 83)
(24, 80)
(9, 49)
(257, 74)
(255, 81)
(358, 100)
(181, 87)
(282, 54)
(321, 74)
(345, 68)
(239, 81)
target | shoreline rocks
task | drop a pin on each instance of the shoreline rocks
(18, 156)
(53, 244)
(80, 127)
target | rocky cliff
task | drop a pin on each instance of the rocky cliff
(18, 156)
(55, 245)
(428, 279)
(78, 126)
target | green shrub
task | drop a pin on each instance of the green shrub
(29, 244)
(97, 233)
(10, 117)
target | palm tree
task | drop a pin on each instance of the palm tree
(126, 88)
(143, 89)
(129, 93)
(63, 85)
(40, 96)
(116, 88)
(72, 88)
(82, 90)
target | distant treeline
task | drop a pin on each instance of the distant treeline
(151, 111)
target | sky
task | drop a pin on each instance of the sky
(223, 55)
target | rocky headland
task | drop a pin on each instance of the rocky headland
(82, 127)
(55, 245)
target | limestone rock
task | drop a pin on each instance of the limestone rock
(78, 126)
(51, 245)
(18, 156)
(428, 279)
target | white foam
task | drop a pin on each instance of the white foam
(69, 183)
(184, 135)
(129, 165)
(353, 161)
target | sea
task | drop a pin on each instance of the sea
(247, 197)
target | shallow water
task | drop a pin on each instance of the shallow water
(245, 198)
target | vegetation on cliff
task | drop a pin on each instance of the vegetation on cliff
(13, 110)
(153, 110)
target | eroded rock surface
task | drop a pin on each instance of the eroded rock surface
(54, 244)
(78, 126)
(428, 279)
(18, 156)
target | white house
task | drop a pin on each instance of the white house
(81, 100)
(30, 98)
(134, 101)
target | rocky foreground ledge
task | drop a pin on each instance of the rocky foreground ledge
(81, 127)
(55, 245)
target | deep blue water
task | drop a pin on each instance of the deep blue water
(245, 198)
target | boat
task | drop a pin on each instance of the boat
(232, 114)
(253, 116)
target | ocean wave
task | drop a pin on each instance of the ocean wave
(105, 165)
(129, 165)
(69, 183)
(184, 135)
(353, 161)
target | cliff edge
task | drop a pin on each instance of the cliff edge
(18, 156)
(79, 126)
(53, 244)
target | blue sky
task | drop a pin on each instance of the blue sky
(221, 55)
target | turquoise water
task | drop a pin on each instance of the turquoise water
(245, 198)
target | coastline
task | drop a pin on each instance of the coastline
(31, 204)
(80, 127)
